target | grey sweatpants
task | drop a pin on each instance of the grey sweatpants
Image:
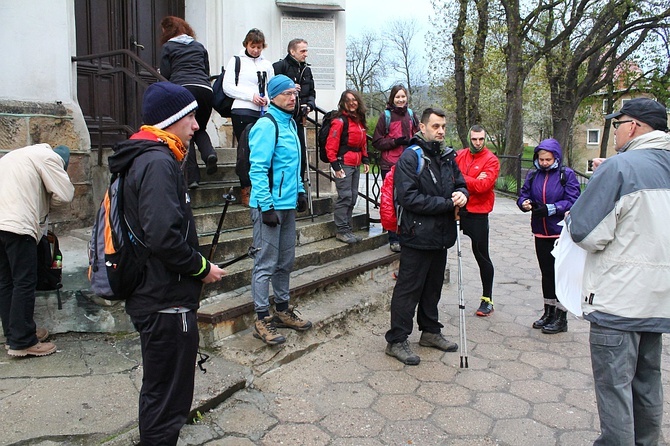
(347, 193)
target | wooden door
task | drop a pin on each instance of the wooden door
(110, 89)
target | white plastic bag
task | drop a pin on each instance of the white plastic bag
(569, 267)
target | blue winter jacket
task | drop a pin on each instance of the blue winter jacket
(546, 188)
(279, 164)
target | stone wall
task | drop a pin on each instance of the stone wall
(27, 123)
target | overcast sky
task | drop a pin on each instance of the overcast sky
(371, 15)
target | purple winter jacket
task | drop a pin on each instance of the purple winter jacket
(546, 188)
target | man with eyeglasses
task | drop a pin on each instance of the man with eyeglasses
(480, 169)
(621, 221)
(276, 193)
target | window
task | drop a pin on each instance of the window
(589, 166)
(593, 136)
(605, 101)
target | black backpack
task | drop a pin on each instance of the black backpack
(242, 165)
(221, 102)
(325, 130)
(50, 265)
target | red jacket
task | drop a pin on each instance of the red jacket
(482, 196)
(357, 142)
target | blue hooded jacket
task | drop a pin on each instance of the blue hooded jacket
(545, 188)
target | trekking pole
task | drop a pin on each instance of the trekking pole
(461, 300)
(215, 241)
(250, 253)
(310, 203)
(261, 87)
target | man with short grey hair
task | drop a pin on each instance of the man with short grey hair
(621, 221)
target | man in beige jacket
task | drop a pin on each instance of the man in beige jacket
(33, 180)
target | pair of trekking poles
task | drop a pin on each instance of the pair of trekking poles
(461, 300)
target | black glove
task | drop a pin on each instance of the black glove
(539, 210)
(270, 218)
(403, 141)
(302, 202)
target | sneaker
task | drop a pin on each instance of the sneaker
(395, 247)
(403, 352)
(436, 340)
(485, 308)
(357, 237)
(211, 164)
(266, 331)
(41, 333)
(347, 237)
(39, 349)
(289, 319)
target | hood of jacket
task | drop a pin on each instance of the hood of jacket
(550, 145)
(652, 140)
(126, 151)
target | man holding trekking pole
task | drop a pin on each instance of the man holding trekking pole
(429, 186)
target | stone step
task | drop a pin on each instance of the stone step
(316, 244)
(228, 313)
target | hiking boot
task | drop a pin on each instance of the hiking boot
(266, 331)
(357, 237)
(39, 349)
(436, 340)
(547, 317)
(558, 325)
(41, 333)
(289, 319)
(211, 164)
(485, 308)
(347, 237)
(395, 247)
(402, 352)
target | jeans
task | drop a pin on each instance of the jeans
(347, 193)
(420, 279)
(627, 374)
(274, 262)
(18, 279)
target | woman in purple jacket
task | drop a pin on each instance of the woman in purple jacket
(548, 192)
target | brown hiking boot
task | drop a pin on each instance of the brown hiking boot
(289, 319)
(41, 333)
(39, 349)
(265, 330)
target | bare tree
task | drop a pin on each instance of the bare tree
(366, 62)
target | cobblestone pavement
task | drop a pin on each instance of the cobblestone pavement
(522, 387)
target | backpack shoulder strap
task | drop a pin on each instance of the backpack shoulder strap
(421, 162)
(237, 69)
(563, 177)
(344, 137)
(387, 119)
(274, 121)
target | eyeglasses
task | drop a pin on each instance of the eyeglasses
(289, 93)
(616, 124)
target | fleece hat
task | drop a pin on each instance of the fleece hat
(278, 84)
(64, 152)
(646, 110)
(165, 103)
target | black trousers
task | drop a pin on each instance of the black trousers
(18, 279)
(476, 226)
(303, 149)
(169, 348)
(419, 283)
(543, 248)
(200, 138)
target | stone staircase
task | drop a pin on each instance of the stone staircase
(227, 306)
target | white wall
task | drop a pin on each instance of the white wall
(38, 41)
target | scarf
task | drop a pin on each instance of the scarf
(173, 142)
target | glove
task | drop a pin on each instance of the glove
(403, 141)
(302, 202)
(540, 210)
(270, 218)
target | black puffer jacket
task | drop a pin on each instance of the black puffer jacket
(301, 74)
(426, 218)
(159, 211)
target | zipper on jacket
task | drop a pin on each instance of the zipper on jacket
(281, 183)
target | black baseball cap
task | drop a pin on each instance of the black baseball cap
(646, 110)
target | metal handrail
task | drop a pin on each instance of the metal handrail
(123, 69)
